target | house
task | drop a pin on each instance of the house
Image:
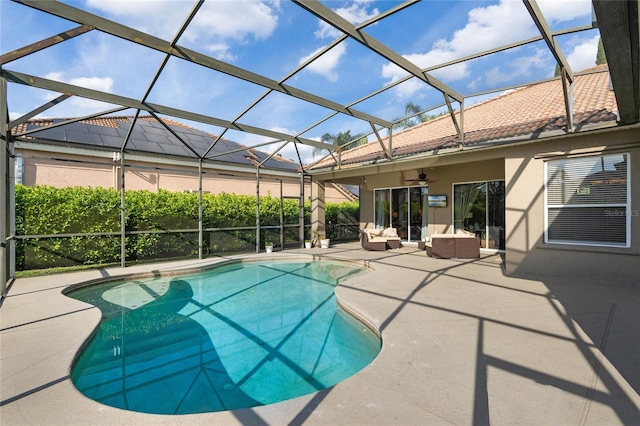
(159, 155)
(555, 197)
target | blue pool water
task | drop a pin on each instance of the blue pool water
(232, 337)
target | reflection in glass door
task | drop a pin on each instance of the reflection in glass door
(400, 211)
(479, 207)
(419, 213)
(404, 209)
(381, 209)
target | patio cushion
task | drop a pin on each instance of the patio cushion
(378, 239)
(390, 232)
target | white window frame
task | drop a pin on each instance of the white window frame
(625, 206)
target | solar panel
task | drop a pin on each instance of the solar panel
(152, 137)
(83, 137)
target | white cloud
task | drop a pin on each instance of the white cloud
(305, 151)
(583, 54)
(486, 28)
(326, 64)
(392, 72)
(215, 21)
(474, 84)
(356, 13)
(489, 27)
(521, 66)
(96, 83)
(559, 11)
(102, 84)
(221, 51)
(146, 15)
(235, 19)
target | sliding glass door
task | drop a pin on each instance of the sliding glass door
(404, 209)
(419, 213)
(400, 212)
(382, 208)
(479, 207)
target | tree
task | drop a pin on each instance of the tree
(601, 58)
(413, 109)
(341, 139)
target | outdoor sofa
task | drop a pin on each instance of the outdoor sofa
(380, 239)
(461, 245)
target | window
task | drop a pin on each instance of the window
(587, 200)
(19, 169)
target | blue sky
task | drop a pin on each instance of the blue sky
(272, 38)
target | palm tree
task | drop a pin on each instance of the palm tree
(340, 139)
(413, 109)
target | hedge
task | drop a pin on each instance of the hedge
(46, 210)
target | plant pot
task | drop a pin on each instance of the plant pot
(324, 243)
(492, 244)
(307, 244)
(269, 249)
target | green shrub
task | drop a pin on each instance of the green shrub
(45, 210)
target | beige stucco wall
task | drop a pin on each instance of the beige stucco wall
(475, 168)
(526, 251)
(63, 170)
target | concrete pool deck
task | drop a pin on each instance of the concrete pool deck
(462, 344)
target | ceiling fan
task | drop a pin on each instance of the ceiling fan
(422, 179)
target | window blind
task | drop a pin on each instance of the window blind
(587, 200)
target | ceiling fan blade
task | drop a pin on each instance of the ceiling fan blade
(422, 179)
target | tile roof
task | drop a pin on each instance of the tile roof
(148, 136)
(527, 112)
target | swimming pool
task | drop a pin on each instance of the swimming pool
(235, 336)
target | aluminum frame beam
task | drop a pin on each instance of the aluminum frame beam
(565, 68)
(5, 205)
(43, 44)
(89, 22)
(341, 24)
(79, 16)
(547, 35)
(57, 86)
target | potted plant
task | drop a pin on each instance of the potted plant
(268, 246)
(307, 244)
(318, 237)
(483, 241)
